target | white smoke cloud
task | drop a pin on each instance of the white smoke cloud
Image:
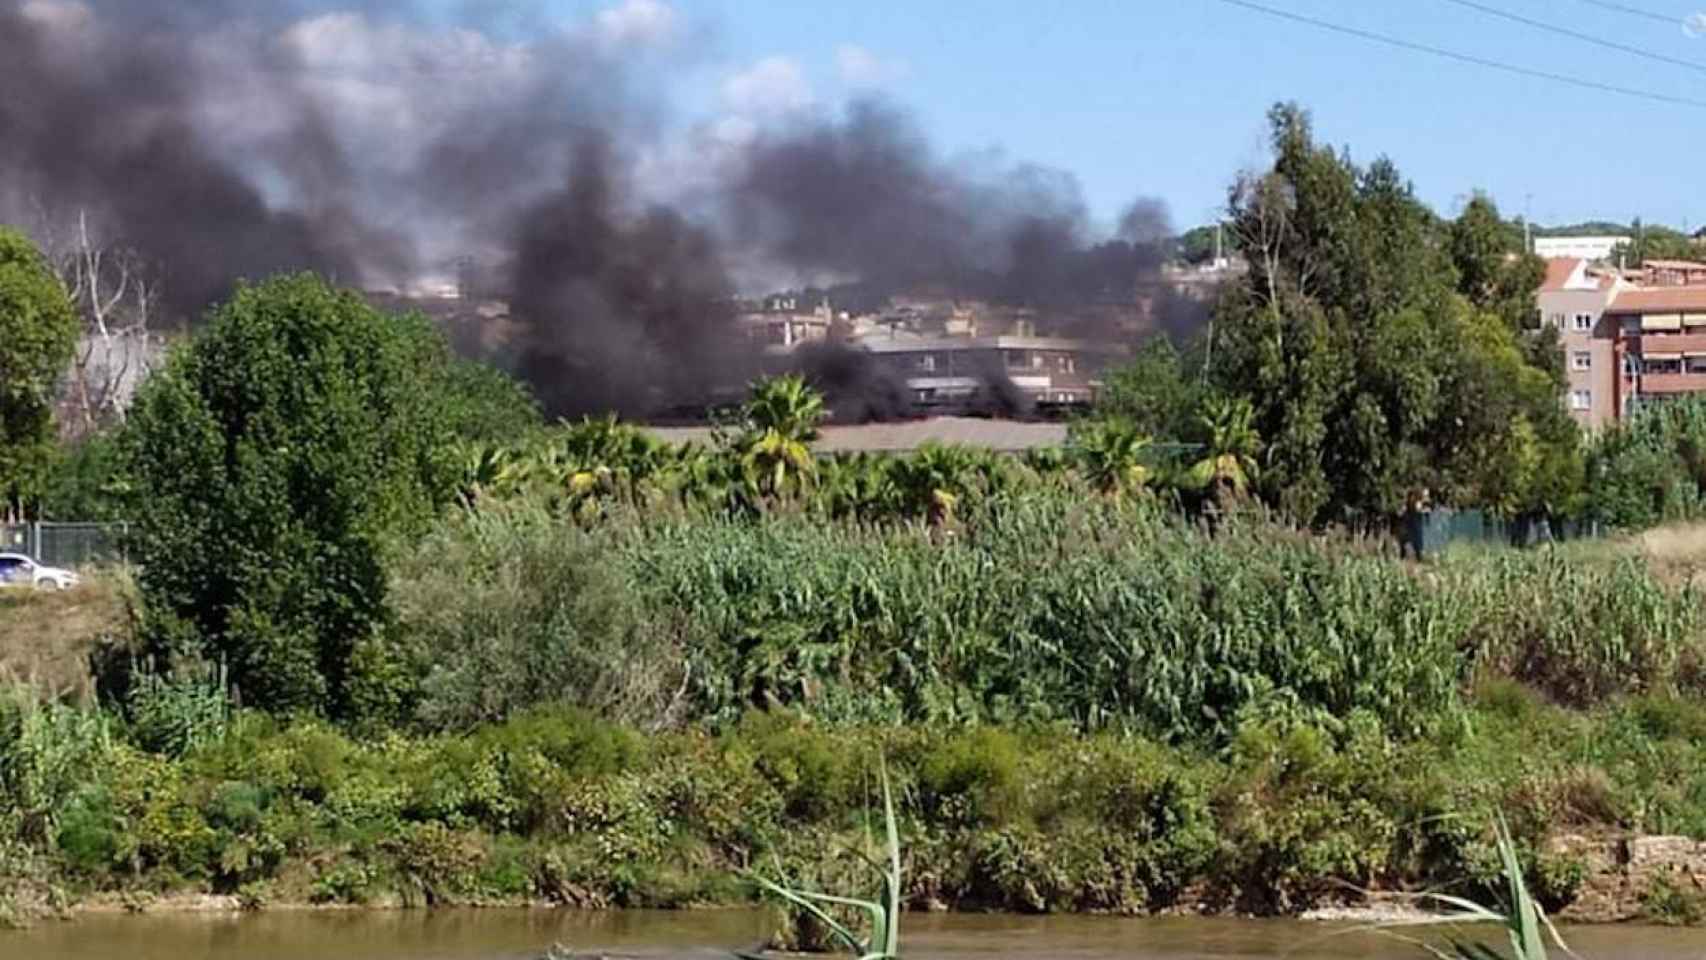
(58, 14)
(772, 87)
(859, 67)
(638, 23)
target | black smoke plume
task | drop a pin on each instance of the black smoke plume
(866, 197)
(623, 316)
(98, 117)
(225, 140)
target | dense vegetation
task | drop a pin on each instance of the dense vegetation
(557, 806)
(1088, 702)
(392, 638)
(38, 331)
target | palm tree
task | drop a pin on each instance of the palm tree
(934, 479)
(1229, 464)
(781, 421)
(1110, 454)
(856, 485)
(630, 459)
(491, 472)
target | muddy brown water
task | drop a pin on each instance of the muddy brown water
(525, 935)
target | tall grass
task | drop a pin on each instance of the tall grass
(48, 752)
(1050, 609)
(1035, 606)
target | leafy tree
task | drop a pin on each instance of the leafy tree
(1654, 243)
(38, 334)
(1494, 271)
(1156, 392)
(275, 458)
(937, 478)
(1197, 245)
(89, 482)
(487, 405)
(1651, 468)
(1377, 345)
(857, 486)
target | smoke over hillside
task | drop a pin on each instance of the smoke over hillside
(221, 142)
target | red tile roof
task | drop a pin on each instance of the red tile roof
(1659, 300)
(1559, 271)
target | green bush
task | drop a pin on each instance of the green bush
(90, 834)
(273, 459)
(499, 612)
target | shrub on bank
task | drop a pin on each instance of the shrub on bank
(563, 807)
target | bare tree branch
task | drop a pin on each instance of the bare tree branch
(110, 286)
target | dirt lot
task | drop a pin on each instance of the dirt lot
(46, 637)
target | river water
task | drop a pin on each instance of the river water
(524, 935)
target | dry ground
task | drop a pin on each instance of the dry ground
(46, 637)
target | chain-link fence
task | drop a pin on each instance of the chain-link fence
(66, 544)
(1427, 532)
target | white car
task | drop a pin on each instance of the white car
(17, 570)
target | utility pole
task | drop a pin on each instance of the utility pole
(1528, 223)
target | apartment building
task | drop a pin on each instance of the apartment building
(1672, 273)
(1660, 343)
(781, 326)
(1573, 299)
(948, 371)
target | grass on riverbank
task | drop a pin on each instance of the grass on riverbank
(560, 808)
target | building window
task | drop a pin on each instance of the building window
(927, 363)
(1557, 320)
(1581, 399)
(1584, 322)
(1581, 360)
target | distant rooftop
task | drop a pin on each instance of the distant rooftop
(1004, 436)
(1659, 300)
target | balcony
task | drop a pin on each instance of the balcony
(1669, 343)
(1671, 383)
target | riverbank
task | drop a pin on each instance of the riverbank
(560, 808)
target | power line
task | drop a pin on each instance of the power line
(1468, 58)
(1577, 35)
(1637, 12)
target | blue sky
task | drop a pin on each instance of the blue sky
(1149, 97)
